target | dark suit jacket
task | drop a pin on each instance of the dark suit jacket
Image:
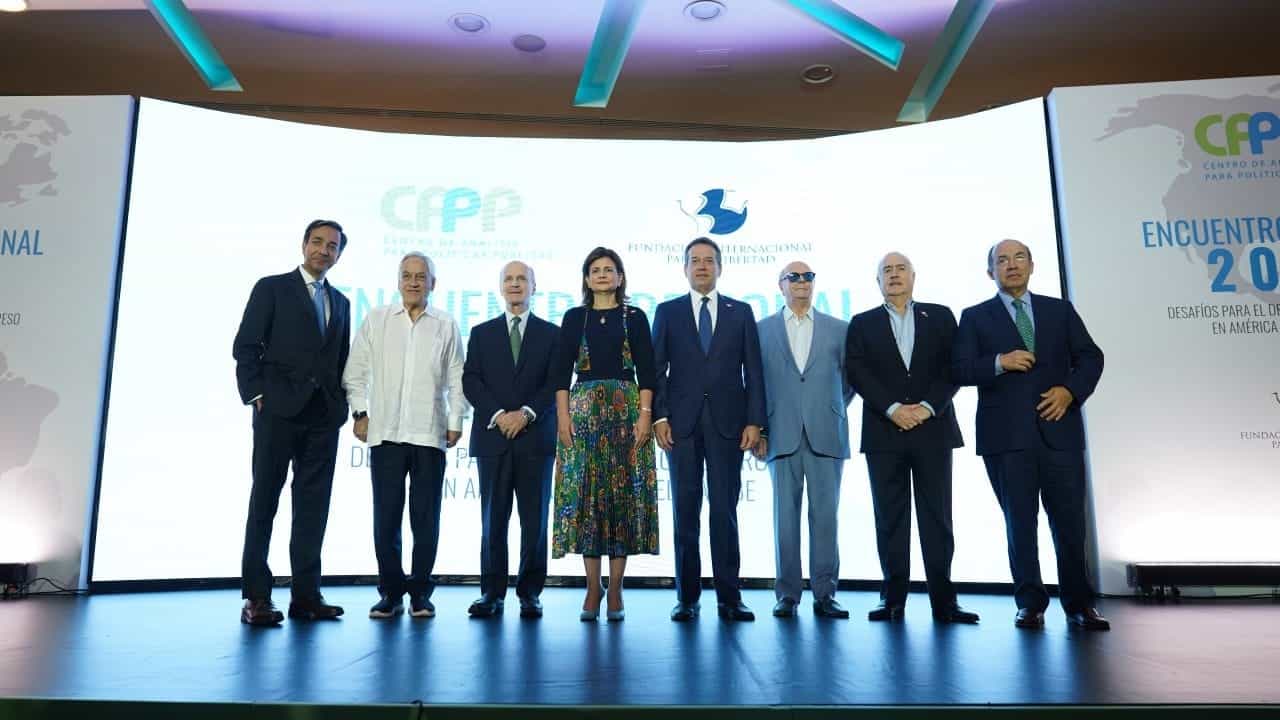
(730, 377)
(1065, 355)
(280, 353)
(492, 381)
(876, 372)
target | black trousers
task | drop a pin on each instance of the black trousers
(527, 478)
(308, 442)
(723, 461)
(1021, 479)
(389, 463)
(895, 476)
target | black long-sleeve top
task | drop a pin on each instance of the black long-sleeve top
(604, 345)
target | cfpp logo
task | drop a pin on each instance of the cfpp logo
(445, 209)
(1223, 136)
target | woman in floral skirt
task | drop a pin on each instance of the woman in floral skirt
(606, 494)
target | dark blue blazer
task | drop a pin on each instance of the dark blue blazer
(280, 353)
(1065, 355)
(492, 381)
(877, 374)
(730, 377)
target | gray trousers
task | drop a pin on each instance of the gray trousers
(790, 474)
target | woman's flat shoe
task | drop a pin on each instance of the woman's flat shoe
(616, 615)
(590, 615)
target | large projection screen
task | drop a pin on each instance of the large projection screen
(219, 200)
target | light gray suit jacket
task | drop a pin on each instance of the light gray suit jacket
(813, 401)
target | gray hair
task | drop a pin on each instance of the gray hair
(991, 254)
(431, 266)
(502, 271)
(880, 265)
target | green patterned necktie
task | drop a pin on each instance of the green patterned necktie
(1023, 321)
(515, 338)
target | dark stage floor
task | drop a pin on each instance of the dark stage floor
(188, 646)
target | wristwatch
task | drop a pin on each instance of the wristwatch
(528, 416)
(359, 415)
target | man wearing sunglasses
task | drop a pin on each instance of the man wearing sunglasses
(807, 397)
(899, 360)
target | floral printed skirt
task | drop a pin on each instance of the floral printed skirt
(606, 494)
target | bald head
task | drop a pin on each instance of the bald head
(797, 290)
(517, 284)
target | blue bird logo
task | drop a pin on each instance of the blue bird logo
(723, 220)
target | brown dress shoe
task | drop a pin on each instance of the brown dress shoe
(1088, 619)
(1029, 619)
(260, 612)
(314, 609)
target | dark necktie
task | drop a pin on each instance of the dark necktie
(704, 327)
(515, 339)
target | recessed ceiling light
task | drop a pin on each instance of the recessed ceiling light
(13, 5)
(819, 74)
(469, 22)
(704, 9)
(529, 43)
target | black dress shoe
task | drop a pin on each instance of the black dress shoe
(735, 611)
(261, 612)
(1028, 619)
(885, 613)
(955, 614)
(684, 612)
(530, 608)
(314, 609)
(485, 607)
(828, 608)
(1088, 619)
(786, 608)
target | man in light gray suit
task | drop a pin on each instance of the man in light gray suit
(807, 438)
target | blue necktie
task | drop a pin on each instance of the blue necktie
(704, 327)
(317, 299)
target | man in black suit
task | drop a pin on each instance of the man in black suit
(710, 407)
(290, 352)
(1035, 365)
(899, 360)
(507, 379)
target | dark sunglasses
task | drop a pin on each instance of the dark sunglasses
(798, 276)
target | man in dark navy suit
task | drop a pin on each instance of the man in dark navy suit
(507, 379)
(709, 409)
(1035, 365)
(290, 352)
(899, 360)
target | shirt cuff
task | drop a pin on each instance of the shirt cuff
(255, 399)
(659, 420)
(925, 404)
(999, 368)
(493, 421)
(533, 416)
(892, 409)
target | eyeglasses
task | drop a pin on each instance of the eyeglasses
(798, 276)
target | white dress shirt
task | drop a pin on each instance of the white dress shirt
(713, 306)
(408, 376)
(799, 335)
